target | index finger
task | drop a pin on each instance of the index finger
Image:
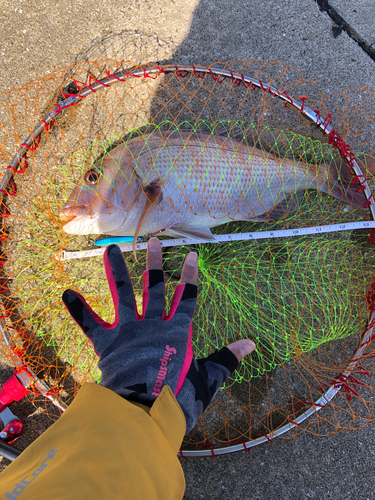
(154, 255)
(189, 272)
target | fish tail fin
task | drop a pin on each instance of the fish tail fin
(367, 165)
(340, 184)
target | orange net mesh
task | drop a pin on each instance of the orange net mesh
(193, 153)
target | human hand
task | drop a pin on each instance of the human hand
(141, 353)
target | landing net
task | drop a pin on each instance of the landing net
(306, 301)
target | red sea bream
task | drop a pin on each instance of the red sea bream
(190, 182)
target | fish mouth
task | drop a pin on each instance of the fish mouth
(71, 213)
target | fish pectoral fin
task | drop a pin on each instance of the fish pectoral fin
(199, 231)
(282, 209)
(153, 195)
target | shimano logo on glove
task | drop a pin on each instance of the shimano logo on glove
(163, 370)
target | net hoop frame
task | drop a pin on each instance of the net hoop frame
(26, 375)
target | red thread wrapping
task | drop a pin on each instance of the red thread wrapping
(294, 422)
(57, 108)
(290, 104)
(234, 80)
(207, 445)
(128, 75)
(12, 193)
(146, 75)
(182, 74)
(366, 205)
(66, 95)
(22, 169)
(45, 124)
(244, 445)
(217, 78)
(318, 405)
(238, 441)
(115, 77)
(8, 312)
(32, 148)
(327, 122)
(247, 85)
(161, 69)
(347, 155)
(265, 435)
(92, 78)
(212, 446)
(303, 99)
(6, 213)
(52, 392)
(343, 381)
(318, 120)
(197, 75)
(362, 370)
(84, 85)
(370, 298)
(263, 88)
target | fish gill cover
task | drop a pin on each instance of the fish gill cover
(302, 300)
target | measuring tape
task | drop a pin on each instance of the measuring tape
(221, 238)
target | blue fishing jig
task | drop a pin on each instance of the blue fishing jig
(117, 240)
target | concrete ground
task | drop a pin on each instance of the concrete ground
(37, 37)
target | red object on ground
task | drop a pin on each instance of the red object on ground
(12, 390)
(12, 431)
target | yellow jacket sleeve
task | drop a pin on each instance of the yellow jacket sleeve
(103, 447)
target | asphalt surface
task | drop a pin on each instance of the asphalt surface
(38, 37)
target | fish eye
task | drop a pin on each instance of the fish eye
(92, 177)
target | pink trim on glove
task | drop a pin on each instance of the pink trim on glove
(175, 301)
(186, 364)
(114, 293)
(189, 349)
(93, 314)
(146, 295)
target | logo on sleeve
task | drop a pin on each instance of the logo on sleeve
(22, 485)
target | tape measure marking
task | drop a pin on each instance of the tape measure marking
(221, 238)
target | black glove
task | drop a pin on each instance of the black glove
(139, 354)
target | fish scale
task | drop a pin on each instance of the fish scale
(201, 178)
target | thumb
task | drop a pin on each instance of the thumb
(242, 348)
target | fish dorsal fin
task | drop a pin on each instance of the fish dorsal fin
(194, 231)
(234, 131)
(153, 195)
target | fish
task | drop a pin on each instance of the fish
(185, 182)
